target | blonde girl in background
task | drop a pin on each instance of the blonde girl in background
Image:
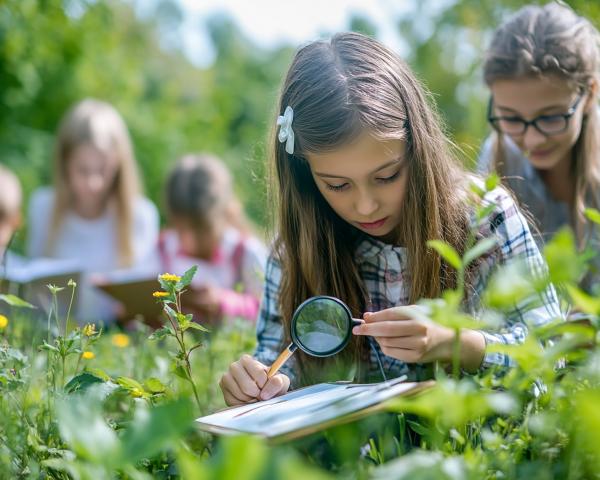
(95, 212)
(11, 197)
(208, 228)
(542, 71)
(364, 177)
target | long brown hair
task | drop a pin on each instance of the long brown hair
(200, 188)
(553, 41)
(337, 89)
(98, 124)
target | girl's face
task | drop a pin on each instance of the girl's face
(531, 97)
(364, 182)
(91, 175)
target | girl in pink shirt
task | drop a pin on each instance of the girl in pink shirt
(208, 229)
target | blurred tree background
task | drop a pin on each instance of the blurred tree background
(56, 52)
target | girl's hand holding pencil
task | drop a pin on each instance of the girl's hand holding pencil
(246, 382)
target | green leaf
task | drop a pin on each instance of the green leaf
(417, 427)
(134, 387)
(46, 346)
(15, 301)
(99, 373)
(447, 252)
(84, 429)
(583, 301)
(593, 215)
(480, 248)
(81, 382)
(155, 429)
(491, 182)
(564, 262)
(190, 466)
(484, 212)
(183, 321)
(179, 370)
(508, 286)
(477, 190)
(154, 385)
(186, 279)
(197, 326)
(161, 333)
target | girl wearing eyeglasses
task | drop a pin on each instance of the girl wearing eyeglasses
(542, 72)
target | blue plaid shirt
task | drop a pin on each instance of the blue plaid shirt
(384, 271)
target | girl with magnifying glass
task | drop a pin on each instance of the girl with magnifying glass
(542, 71)
(364, 176)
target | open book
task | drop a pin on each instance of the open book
(28, 279)
(309, 409)
(133, 289)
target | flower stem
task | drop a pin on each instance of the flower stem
(70, 306)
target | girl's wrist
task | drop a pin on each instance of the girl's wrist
(472, 350)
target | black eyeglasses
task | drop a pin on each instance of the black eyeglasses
(545, 124)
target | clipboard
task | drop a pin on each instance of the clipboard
(309, 410)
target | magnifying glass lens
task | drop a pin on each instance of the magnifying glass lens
(322, 326)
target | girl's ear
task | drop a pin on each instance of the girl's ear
(592, 99)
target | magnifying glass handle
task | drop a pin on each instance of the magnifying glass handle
(281, 359)
(357, 321)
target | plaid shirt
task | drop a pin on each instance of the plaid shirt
(383, 269)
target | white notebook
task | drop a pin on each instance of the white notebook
(309, 409)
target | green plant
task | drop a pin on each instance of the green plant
(173, 287)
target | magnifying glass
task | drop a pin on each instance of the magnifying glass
(321, 327)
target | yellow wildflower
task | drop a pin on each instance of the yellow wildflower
(120, 340)
(3, 322)
(160, 294)
(136, 392)
(89, 330)
(87, 355)
(169, 277)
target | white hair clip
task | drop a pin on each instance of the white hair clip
(286, 134)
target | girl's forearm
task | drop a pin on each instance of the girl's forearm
(472, 349)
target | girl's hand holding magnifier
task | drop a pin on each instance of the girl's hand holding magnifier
(408, 334)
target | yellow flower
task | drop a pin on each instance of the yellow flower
(120, 340)
(89, 330)
(136, 392)
(87, 355)
(160, 294)
(3, 322)
(169, 277)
